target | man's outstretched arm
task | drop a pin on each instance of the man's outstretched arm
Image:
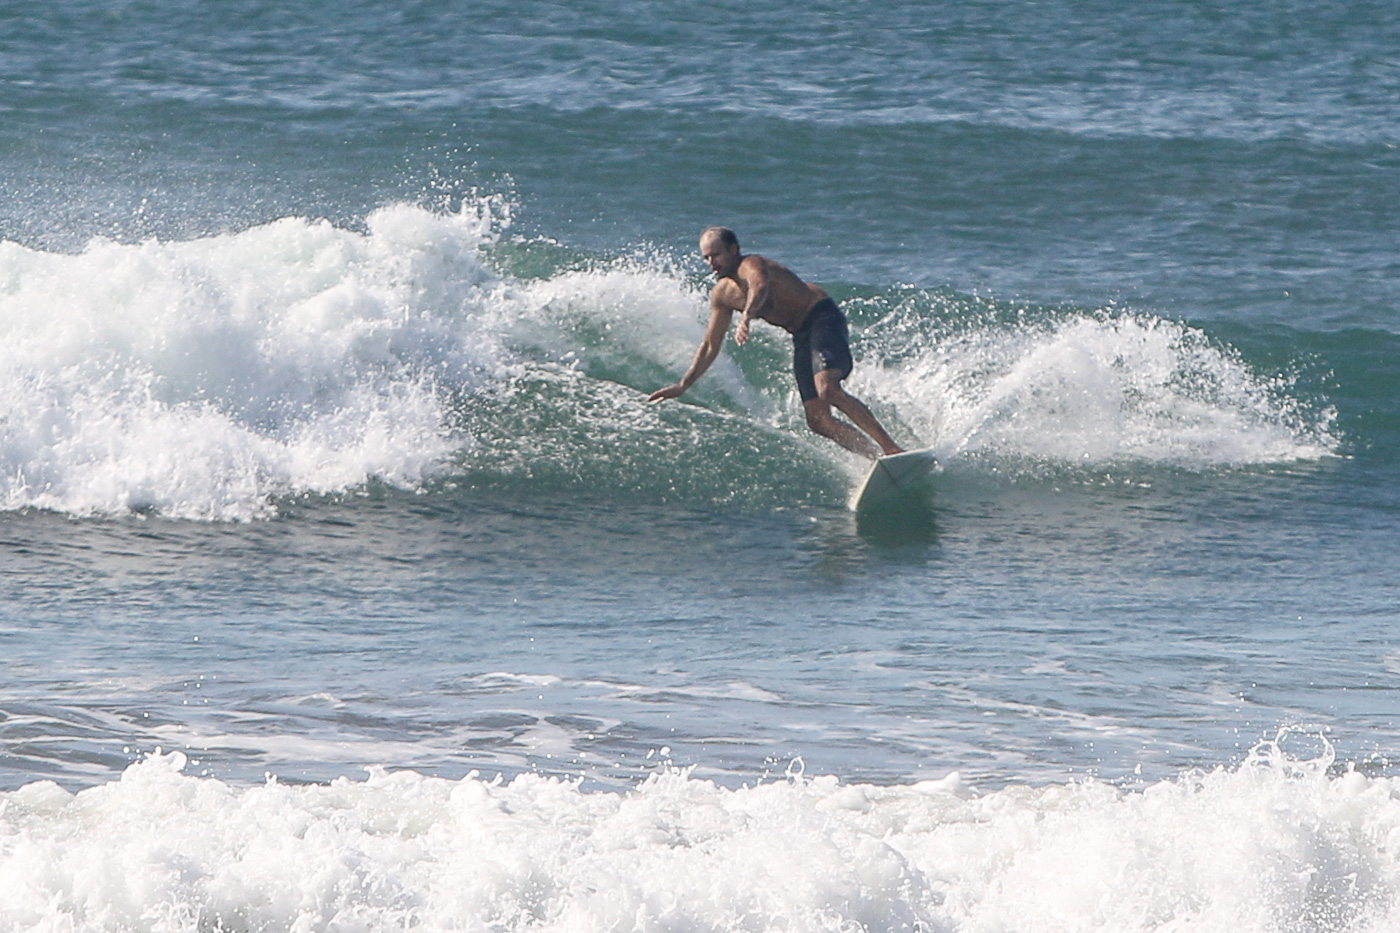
(704, 356)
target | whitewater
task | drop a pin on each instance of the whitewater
(209, 379)
(1274, 843)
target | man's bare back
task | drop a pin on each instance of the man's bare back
(788, 300)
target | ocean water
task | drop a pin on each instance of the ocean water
(349, 583)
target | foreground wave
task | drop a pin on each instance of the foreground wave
(1273, 844)
(209, 379)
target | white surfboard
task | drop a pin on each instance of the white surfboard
(892, 477)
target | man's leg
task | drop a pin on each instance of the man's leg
(823, 422)
(830, 395)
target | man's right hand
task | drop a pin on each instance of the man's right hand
(660, 395)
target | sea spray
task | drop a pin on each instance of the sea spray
(1271, 844)
(205, 378)
(1084, 389)
(215, 378)
(211, 378)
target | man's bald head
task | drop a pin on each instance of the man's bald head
(725, 235)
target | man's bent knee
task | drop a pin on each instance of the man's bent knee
(819, 418)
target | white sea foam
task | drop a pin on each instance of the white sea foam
(1272, 845)
(203, 378)
(731, 690)
(208, 378)
(1092, 390)
(505, 682)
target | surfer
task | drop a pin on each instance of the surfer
(761, 288)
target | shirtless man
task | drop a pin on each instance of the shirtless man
(762, 288)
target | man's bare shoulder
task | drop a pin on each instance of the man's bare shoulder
(754, 266)
(727, 294)
(755, 263)
(770, 269)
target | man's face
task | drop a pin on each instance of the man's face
(723, 260)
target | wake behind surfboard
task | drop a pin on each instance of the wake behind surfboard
(892, 480)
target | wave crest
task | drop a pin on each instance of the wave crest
(1092, 390)
(205, 378)
(211, 378)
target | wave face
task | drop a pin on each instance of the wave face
(213, 378)
(1274, 844)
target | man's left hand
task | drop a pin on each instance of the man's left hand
(660, 395)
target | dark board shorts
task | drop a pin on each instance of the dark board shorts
(822, 342)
